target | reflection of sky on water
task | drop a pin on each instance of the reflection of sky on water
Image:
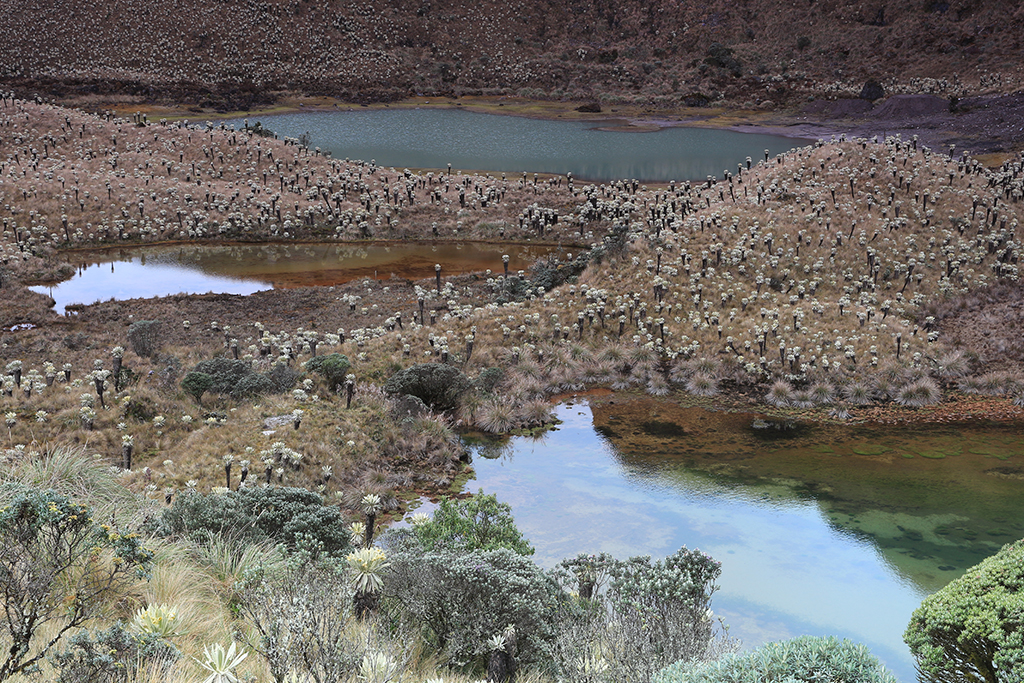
(785, 570)
(433, 138)
(133, 280)
(162, 270)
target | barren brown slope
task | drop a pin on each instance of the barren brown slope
(235, 53)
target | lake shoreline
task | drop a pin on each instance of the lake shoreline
(975, 127)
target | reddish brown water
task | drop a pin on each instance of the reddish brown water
(167, 269)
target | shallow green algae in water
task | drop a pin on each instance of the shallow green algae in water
(870, 449)
(927, 497)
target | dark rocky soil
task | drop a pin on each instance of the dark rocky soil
(987, 124)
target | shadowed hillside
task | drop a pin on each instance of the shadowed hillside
(230, 53)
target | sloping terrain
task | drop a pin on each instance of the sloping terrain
(232, 53)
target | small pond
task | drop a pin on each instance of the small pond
(434, 138)
(824, 530)
(151, 271)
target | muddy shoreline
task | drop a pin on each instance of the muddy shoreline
(982, 126)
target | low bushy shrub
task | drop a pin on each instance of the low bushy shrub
(224, 373)
(333, 367)
(113, 655)
(282, 377)
(488, 379)
(807, 658)
(722, 57)
(460, 599)
(438, 385)
(236, 378)
(973, 629)
(477, 523)
(299, 621)
(660, 613)
(144, 336)
(295, 517)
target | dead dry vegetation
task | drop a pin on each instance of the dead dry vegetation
(240, 55)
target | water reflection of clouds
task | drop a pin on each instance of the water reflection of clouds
(132, 280)
(569, 495)
(243, 269)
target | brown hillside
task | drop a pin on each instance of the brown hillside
(231, 53)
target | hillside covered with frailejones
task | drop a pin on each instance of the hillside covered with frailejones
(845, 276)
(244, 53)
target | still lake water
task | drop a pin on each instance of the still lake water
(163, 270)
(825, 530)
(434, 138)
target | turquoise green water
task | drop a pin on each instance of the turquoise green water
(434, 138)
(820, 530)
(141, 272)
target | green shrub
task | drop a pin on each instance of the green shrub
(459, 600)
(488, 379)
(144, 336)
(282, 377)
(333, 367)
(236, 378)
(299, 619)
(807, 658)
(294, 517)
(660, 612)
(113, 655)
(253, 384)
(973, 629)
(439, 386)
(225, 373)
(551, 272)
(477, 523)
(195, 384)
(722, 57)
(49, 576)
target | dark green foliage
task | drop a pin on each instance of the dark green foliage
(477, 523)
(139, 408)
(225, 373)
(439, 386)
(144, 336)
(253, 384)
(48, 574)
(807, 658)
(111, 656)
(333, 367)
(511, 288)
(292, 516)
(459, 599)
(259, 130)
(973, 629)
(872, 90)
(551, 272)
(282, 377)
(721, 56)
(488, 379)
(237, 379)
(802, 43)
(195, 384)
